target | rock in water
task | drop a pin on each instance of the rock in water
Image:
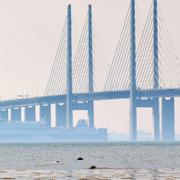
(93, 167)
(80, 159)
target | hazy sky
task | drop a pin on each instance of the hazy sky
(29, 35)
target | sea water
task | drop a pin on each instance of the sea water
(112, 160)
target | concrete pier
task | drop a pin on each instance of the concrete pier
(60, 115)
(45, 114)
(16, 114)
(30, 113)
(156, 119)
(91, 113)
(168, 123)
(4, 114)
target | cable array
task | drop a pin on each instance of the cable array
(117, 76)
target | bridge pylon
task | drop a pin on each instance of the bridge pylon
(69, 102)
(156, 116)
(90, 68)
(150, 102)
(133, 103)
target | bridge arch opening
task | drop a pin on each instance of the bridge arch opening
(80, 117)
(113, 115)
(145, 125)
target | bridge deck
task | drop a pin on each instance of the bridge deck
(97, 96)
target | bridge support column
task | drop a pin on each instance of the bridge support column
(156, 119)
(30, 113)
(4, 115)
(90, 68)
(60, 115)
(155, 71)
(16, 114)
(91, 113)
(133, 104)
(168, 123)
(69, 102)
(45, 114)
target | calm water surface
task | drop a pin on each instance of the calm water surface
(113, 161)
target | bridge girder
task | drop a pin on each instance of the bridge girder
(96, 96)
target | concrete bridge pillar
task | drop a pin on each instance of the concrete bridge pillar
(30, 113)
(60, 115)
(45, 114)
(133, 90)
(90, 68)
(168, 123)
(156, 119)
(69, 102)
(4, 115)
(16, 114)
(91, 113)
(156, 69)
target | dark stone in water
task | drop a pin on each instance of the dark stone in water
(57, 161)
(80, 159)
(93, 167)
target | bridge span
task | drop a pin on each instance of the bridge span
(80, 102)
(96, 96)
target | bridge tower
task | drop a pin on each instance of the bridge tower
(90, 68)
(69, 109)
(134, 102)
(168, 122)
(133, 110)
(155, 72)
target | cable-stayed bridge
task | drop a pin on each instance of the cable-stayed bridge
(144, 69)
